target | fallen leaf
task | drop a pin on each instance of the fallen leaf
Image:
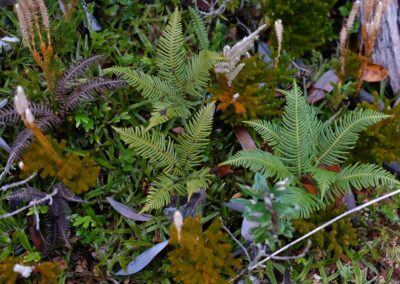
(143, 259)
(127, 211)
(308, 184)
(222, 171)
(244, 138)
(372, 72)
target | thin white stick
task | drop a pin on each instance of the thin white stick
(324, 226)
(31, 204)
(18, 183)
(235, 239)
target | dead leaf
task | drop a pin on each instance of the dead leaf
(308, 184)
(36, 235)
(332, 168)
(236, 195)
(372, 72)
(244, 138)
(222, 171)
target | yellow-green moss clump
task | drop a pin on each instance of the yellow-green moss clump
(333, 238)
(201, 257)
(77, 173)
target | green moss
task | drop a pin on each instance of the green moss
(380, 142)
(201, 257)
(333, 238)
(77, 173)
(252, 94)
(306, 22)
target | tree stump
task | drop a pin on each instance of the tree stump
(387, 47)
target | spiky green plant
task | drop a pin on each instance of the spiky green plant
(303, 147)
(180, 83)
(180, 161)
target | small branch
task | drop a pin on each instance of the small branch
(18, 183)
(33, 203)
(235, 239)
(211, 8)
(358, 208)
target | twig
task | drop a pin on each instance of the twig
(18, 183)
(358, 208)
(235, 239)
(211, 8)
(33, 203)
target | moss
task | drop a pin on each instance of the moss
(45, 272)
(306, 22)
(380, 142)
(251, 95)
(77, 173)
(201, 257)
(333, 238)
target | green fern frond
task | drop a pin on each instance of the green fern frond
(268, 131)
(170, 51)
(306, 202)
(197, 73)
(259, 161)
(192, 143)
(200, 29)
(324, 180)
(151, 145)
(164, 112)
(194, 185)
(361, 176)
(161, 191)
(336, 141)
(295, 143)
(152, 88)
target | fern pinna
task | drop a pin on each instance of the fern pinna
(179, 161)
(179, 83)
(304, 148)
(69, 92)
(56, 221)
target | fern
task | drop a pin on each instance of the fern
(260, 161)
(56, 219)
(337, 141)
(178, 161)
(151, 145)
(295, 144)
(199, 28)
(195, 137)
(268, 131)
(179, 83)
(303, 146)
(171, 56)
(361, 176)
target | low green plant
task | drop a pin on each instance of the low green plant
(179, 84)
(306, 149)
(180, 161)
(270, 208)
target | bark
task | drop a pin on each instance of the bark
(387, 47)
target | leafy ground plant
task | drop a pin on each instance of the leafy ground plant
(310, 151)
(180, 161)
(180, 83)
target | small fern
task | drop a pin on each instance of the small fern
(179, 161)
(179, 83)
(304, 147)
